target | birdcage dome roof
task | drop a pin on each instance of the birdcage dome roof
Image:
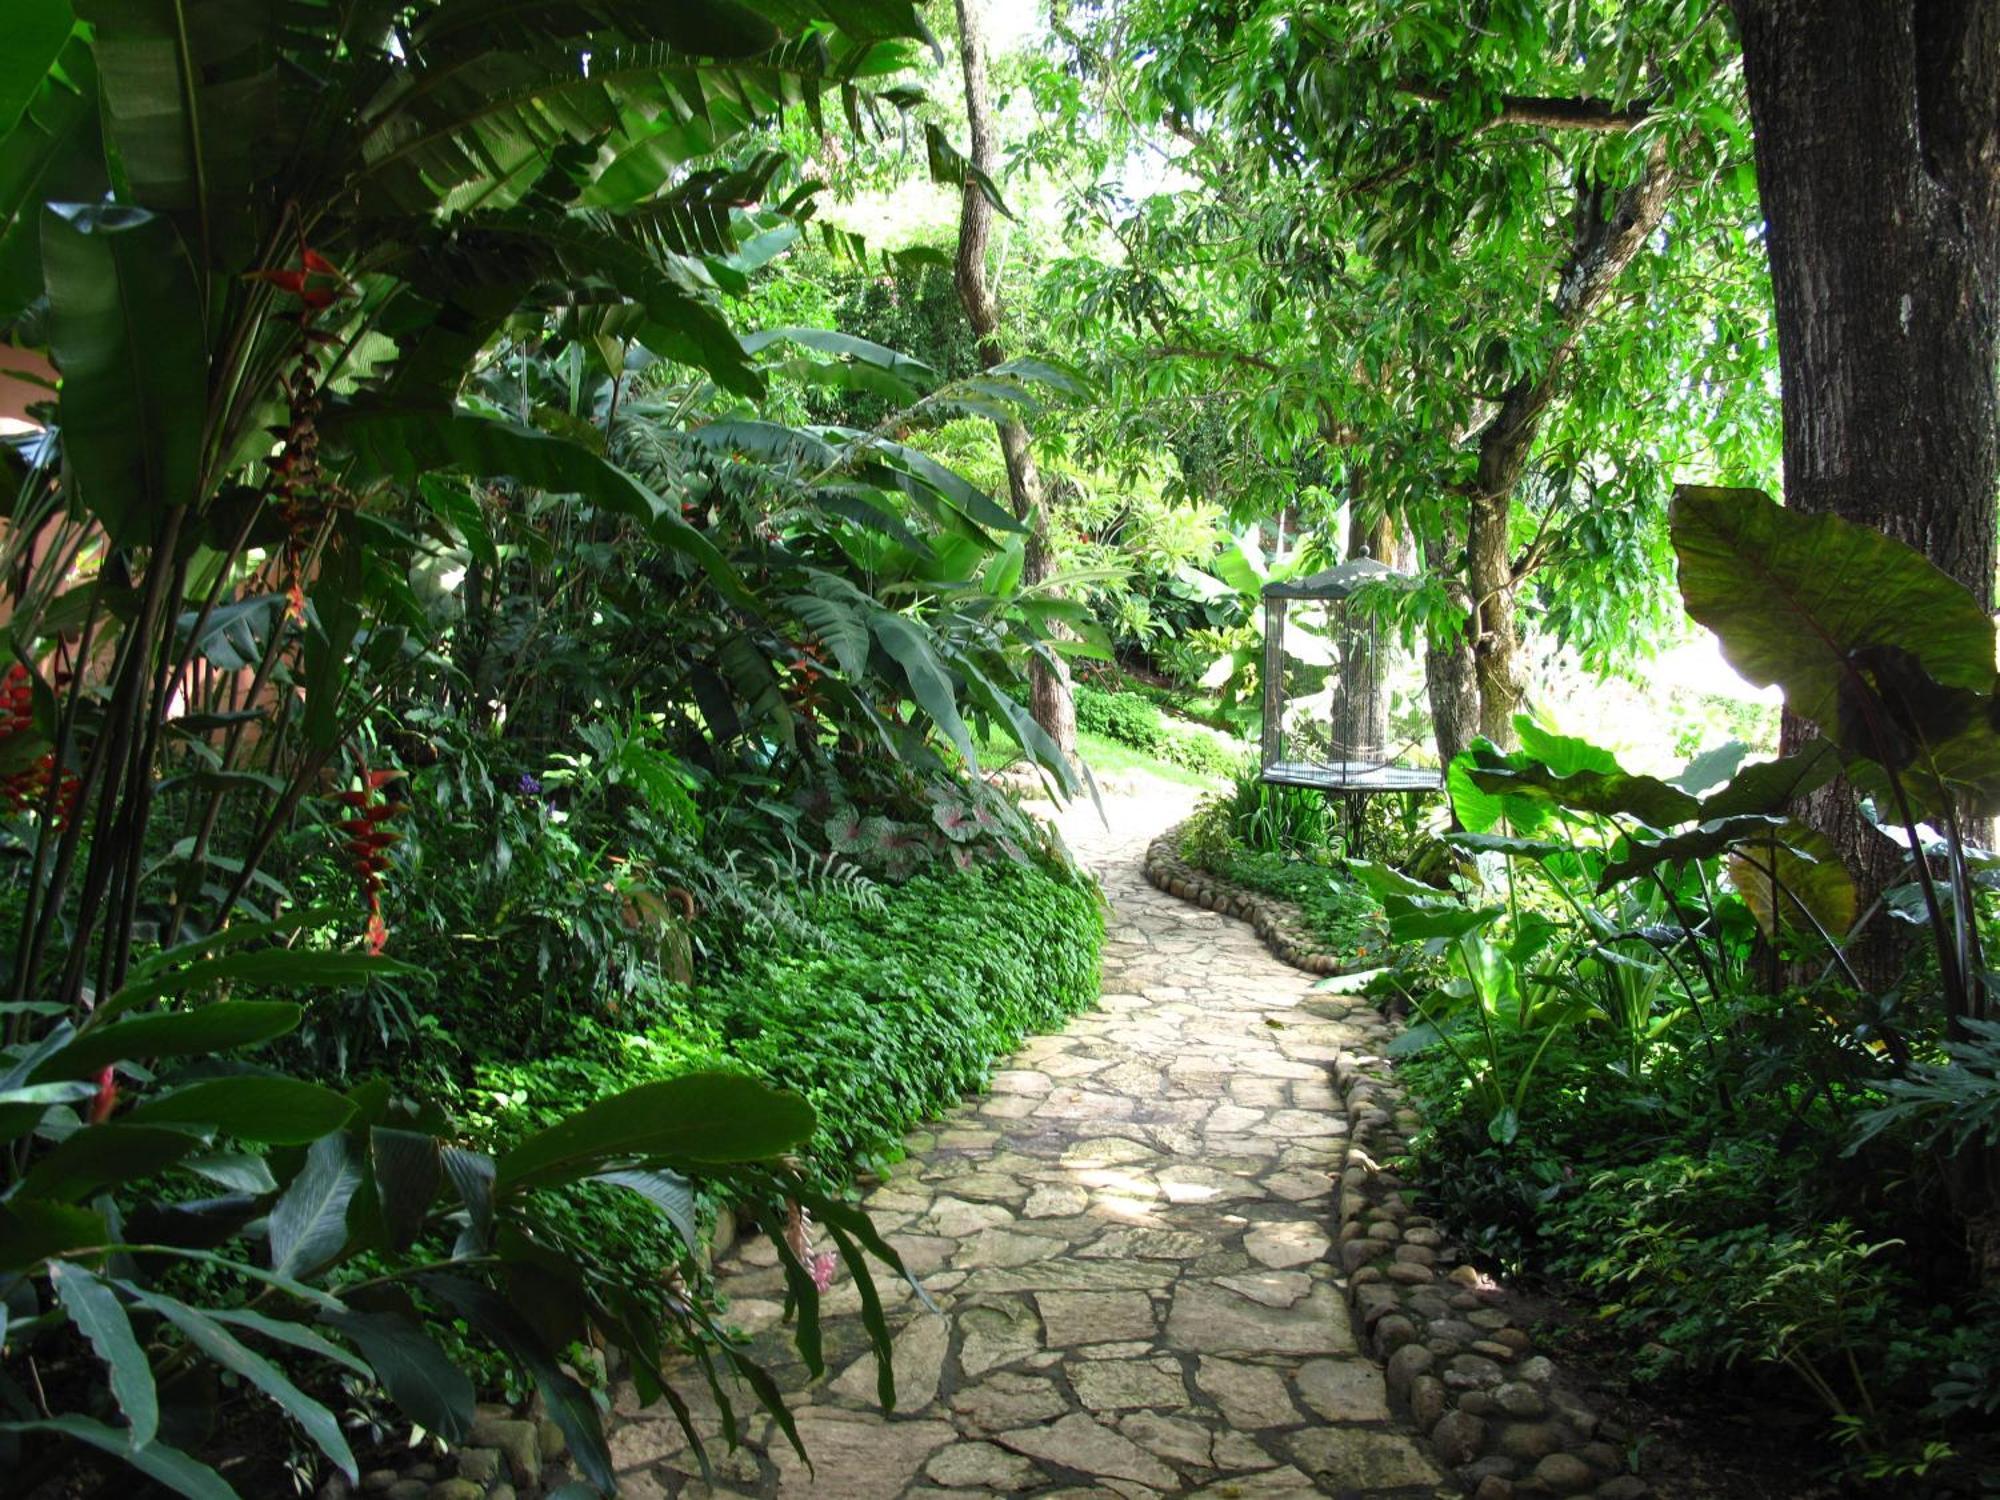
(1336, 582)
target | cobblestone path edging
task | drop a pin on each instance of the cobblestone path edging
(1497, 1414)
(1131, 1241)
(1278, 922)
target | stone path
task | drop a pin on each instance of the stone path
(1127, 1240)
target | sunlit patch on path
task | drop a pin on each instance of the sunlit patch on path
(1127, 1241)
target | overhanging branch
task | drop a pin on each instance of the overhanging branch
(1552, 112)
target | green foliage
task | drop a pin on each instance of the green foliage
(1132, 719)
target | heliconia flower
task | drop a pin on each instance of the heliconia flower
(106, 1098)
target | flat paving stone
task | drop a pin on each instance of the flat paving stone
(1126, 1244)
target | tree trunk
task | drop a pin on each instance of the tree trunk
(1607, 231)
(1050, 699)
(1451, 676)
(1877, 127)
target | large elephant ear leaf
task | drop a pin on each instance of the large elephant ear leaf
(1794, 598)
(1793, 881)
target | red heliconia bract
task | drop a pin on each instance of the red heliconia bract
(366, 842)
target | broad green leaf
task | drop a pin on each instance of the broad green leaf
(309, 1223)
(406, 444)
(1711, 768)
(220, 1027)
(158, 1462)
(568, 1403)
(100, 1317)
(431, 1390)
(125, 326)
(1480, 811)
(1792, 879)
(1794, 596)
(304, 967)
(37, 31)
(913, 373)
(48, 1093)
(700, 1117)
(1703, 841)
(1770, 787)
(1600, 793)
(929, 685)
(1564, 754)
(408, 1172)
(49, 152)
(669, 1192)
(239, 1172)
(220, 1345)
(297, 1335)
(104, 1156)
(33, 1229)
(270, 1111)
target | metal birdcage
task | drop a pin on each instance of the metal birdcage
(1328, 675)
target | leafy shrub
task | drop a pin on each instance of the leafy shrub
(1134, 720)
(1124, 717)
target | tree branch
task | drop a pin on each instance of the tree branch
(1551, 112)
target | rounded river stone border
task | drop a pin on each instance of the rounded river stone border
(1498, 1416)
(1278, 922)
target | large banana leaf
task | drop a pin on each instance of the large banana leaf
(126, 334)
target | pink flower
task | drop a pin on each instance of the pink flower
(822, 1269)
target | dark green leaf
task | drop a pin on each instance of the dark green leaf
(700, 1117)
(104, 1156)
(1793, 597)
(125, 326)
(271, 1111)
(158, 1462)
(206, 1334)
(309, 1223)
(100, 1317)
(220, 1027)
(430, 1390)
(669, 1192)
(568, 1403)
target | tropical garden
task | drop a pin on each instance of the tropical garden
(554, 553)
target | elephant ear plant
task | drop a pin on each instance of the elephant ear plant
(1893, 662)
(173, 1212)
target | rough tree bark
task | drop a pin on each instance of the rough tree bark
(1877, 127)
(1050, 698)
(1881, 192)
(1607, 231)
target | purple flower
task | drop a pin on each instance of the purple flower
(528, 786)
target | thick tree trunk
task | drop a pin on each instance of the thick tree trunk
(1050, 698)
(1451, 676)
(1877, 128)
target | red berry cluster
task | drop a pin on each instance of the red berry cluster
(367, 843)
(26, 789)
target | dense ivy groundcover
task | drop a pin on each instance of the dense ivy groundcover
(887, 1015)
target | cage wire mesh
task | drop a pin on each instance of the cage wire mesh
(1327, 669)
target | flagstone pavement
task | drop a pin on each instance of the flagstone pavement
(1127, 1244)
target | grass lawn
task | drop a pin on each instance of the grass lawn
(1107, 757)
